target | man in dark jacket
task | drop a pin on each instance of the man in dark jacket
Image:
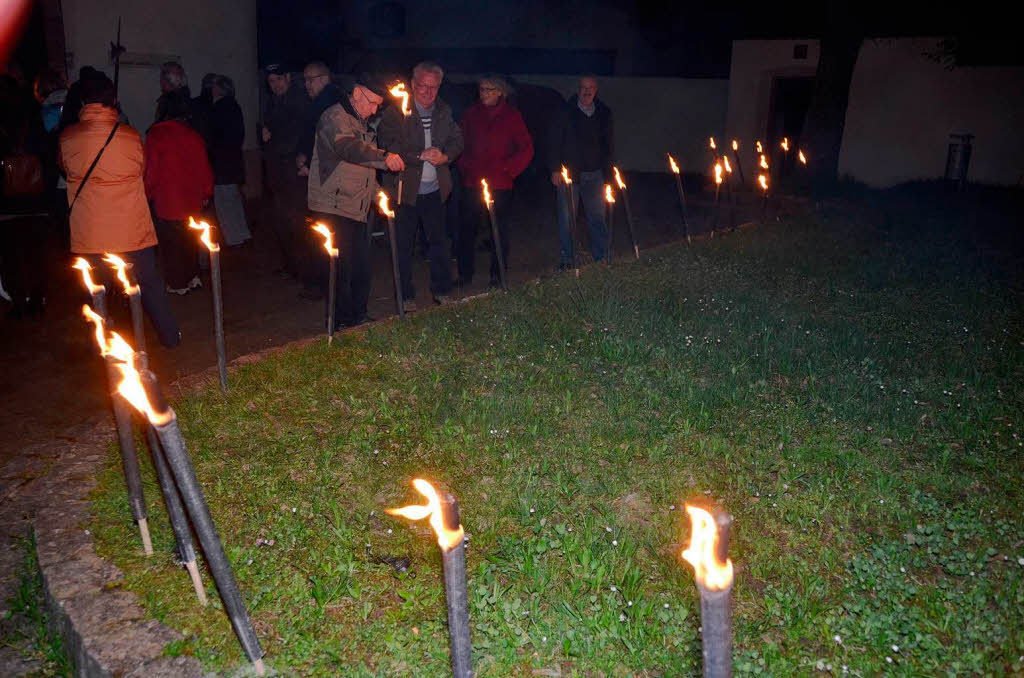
(225, 150)
(428, 140)
(322, 95)
(582, 139)
(282, 121)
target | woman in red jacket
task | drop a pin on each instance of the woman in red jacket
(179, 182)
(498, 148)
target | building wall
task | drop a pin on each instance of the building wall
(903, 107)
(755, 66)
(217, 36)
(654, 116)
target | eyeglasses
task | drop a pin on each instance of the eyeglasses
(311, 78)
(487, 90)
(367, 99)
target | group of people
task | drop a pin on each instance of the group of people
(329, 146)
(351, 138)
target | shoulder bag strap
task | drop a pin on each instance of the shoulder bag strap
(95, 160)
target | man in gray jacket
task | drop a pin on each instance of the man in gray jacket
(428, 139)
(343, 187)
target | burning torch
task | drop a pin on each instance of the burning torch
(382, 201)
(495, 235)
(398, 91)
(570, 200)
(736, 157)
(682, 196)
(125, 436)
(728, 189)
(762, 181)
(98, 293)
(332, 278)
(708, 552)
(629, 212)
(143, 392)
(218, 302)
(718, 193)
(443, 512)
(610, 201)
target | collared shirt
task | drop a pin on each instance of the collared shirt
(428, 181)
(587, 110)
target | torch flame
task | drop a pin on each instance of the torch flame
(785, 144)
(763, 180)
(487, 193)
(446, 538)
(205, 237)
(710, 573)
(117, 263)
(97, 320)
(764, 161)
(672, 164)
(83, 266)
(609, 198)
(758, 146)
(803, 158)
(398, 91)
(713, 146)
(735, 145)
(728, 167)
(718, 173)
(131, 383)
(382, 202)
(565, 176)
(328, 238)
(618, 178)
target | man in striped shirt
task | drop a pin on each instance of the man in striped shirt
(427, 140)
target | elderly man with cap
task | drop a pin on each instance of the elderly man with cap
(343, 187)
(281, 125)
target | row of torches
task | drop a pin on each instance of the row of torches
(185, 501)
(133, 384)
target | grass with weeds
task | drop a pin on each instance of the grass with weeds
(852, 396)
(25, 627)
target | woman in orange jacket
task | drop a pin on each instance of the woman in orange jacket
(109, 211)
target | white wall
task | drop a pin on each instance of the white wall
(903, 107)
(654, 116)
(217, 36)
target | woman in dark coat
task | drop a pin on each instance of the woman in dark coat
(227, 131)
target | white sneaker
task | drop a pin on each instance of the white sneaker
(183, 291)
(194, 283)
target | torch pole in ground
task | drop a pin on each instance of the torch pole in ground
(708, 552)
(129, 460)
(571, 201)
(717, 208)
(181, 465)
(682, 204)
(739, 165)
(499, 254)
(453, 561)
(218, 317)
(175, 511)
(611, 231)
(629, 221)
(332, 284)
(395, 272)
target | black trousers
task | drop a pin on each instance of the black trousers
(179, 251)
(154, 299)
(352, 290)
(288, 201)
(474, 218)
(429, 209)
(24, 242)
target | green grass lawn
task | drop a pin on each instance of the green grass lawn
(852, 396)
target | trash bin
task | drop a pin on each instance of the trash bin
(957, 159)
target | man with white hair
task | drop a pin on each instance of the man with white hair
(582, 139)
(428, 140)
(172, 79)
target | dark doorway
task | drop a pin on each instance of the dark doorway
(791, 98)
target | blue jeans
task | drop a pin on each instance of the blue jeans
(588, 188)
